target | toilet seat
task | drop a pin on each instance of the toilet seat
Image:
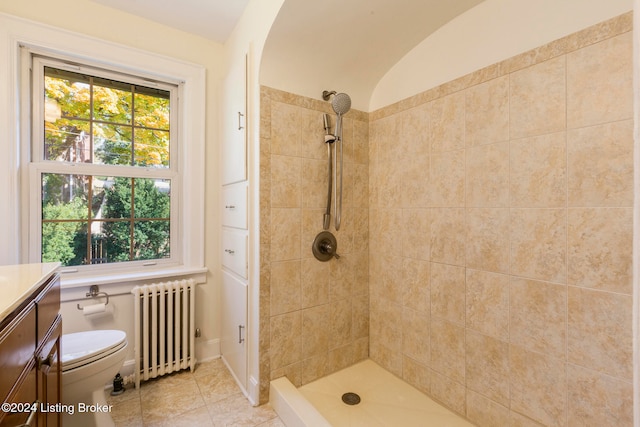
(81, 348)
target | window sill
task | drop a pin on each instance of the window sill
(129, 278)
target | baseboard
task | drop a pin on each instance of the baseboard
(207, 350)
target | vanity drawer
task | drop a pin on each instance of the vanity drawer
(234, 252)
(48, 307)
(234, 206)
(17, 345)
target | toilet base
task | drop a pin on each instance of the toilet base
(96, 413)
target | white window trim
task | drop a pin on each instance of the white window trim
(15, 125)
(38, 165)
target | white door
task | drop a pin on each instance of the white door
(234, 115)
(234, 322)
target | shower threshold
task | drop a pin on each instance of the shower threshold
(385, 401)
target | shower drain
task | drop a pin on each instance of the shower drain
(351, 398)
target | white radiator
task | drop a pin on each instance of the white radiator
(164, 328)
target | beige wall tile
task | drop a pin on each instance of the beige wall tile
(537, 102)
(312, 220)
(389, 229)
(487, 112)
(416, 374)
(487, 303)
(487, 367)
(313, 368)
(538, 244)
(341, 357)
(315, 333)
(416, 237)
(286, 188)
(448, 238)
(311, 126)
(601, 165)
(487, 176)
(389, 184)
(447, 123)
(340, 320)
(360, 142)
(600, 335)
(285, 234)
(285, 287)
(598, 81)
(388, 281)
(286, 339)
(314, 282)
(598, 400)
(415, 132)
(360, 319)
(312, 183)
(359, 224)
(487, 244)
(447, 349)
(538, 171)
(416, 182)
(386, 133)
(359, 184)
(486, 412)
(415, 342)
(449, 392)
(390, 359)
(448, 292)
(416, 277)
(285, 129)
(538, 386)
(447, 179)
(386, 324)
(342, 278)
(538, 316)
(600, 248)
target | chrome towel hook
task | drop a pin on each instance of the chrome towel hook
(94, 292)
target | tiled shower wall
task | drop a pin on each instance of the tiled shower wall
(501, 236)
(315, 315)
(487, 238)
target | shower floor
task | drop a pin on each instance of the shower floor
(386, 401)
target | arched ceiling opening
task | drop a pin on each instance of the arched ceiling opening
(347, 45)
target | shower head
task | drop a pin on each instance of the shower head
(341, 103)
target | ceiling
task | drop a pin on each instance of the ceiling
(347, 46)
(316, 45)
(212, 19)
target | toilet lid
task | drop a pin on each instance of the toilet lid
(83, 347)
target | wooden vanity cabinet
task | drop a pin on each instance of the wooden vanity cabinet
(30, 366)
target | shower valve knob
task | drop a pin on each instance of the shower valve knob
(324, 246)
(327, 248)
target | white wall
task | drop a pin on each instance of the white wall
(86, 20)
(486, 34)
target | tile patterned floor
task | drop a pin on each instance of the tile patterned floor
(207, 397)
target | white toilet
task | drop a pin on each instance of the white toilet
(90, 360)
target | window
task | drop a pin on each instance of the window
(103, 159)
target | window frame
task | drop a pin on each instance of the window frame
(39, 165)
(16, 36)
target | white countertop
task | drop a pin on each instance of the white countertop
(18, 282)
